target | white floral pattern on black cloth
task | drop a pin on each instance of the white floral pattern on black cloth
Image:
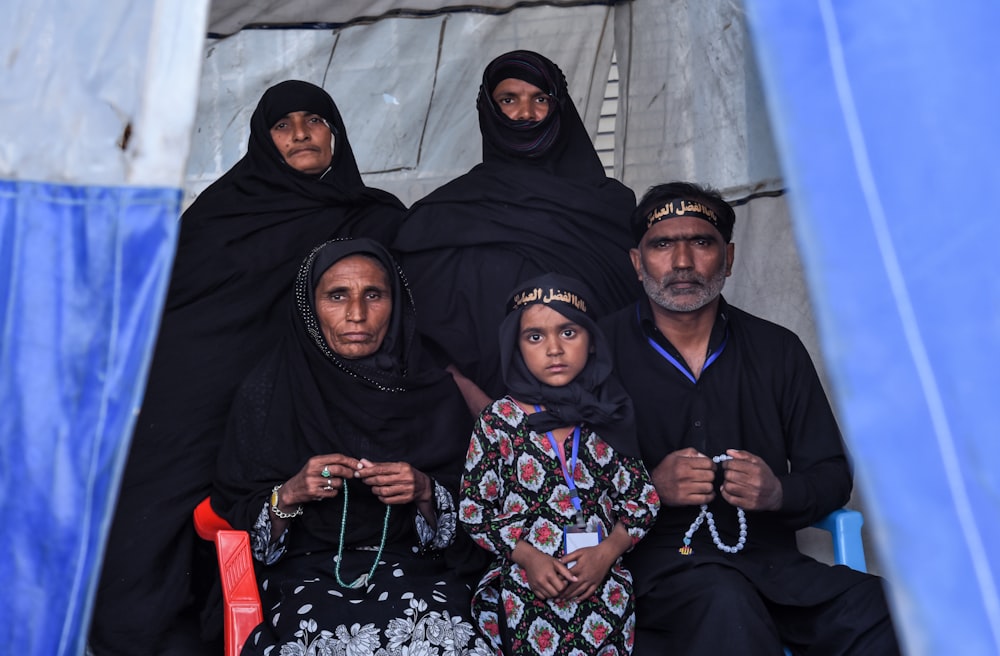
(412, 606)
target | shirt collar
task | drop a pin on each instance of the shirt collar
(647, 324)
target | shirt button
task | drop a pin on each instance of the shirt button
(697, 424)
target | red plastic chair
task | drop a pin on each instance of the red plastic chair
(241, 601)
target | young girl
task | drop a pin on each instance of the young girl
(554, 485)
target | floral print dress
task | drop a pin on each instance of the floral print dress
(412, 606)
(512, 489)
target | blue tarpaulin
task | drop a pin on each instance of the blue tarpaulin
(82, 274)
(886, 121)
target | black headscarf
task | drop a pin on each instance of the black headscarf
(305, 400)
(594, 397)
(538, 202)
(504, 137)
(240, 245)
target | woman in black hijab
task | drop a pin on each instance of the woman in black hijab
(342, 459)
(538, 202)
(240, 244)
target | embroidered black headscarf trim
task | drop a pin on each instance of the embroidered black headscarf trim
(305, 400)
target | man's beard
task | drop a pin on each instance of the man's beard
(689, 300)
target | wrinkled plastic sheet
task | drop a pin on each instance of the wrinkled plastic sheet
(889, 146)
(230, 16)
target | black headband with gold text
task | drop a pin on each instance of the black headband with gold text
(547, 296)
(678, 208)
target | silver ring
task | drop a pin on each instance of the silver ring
(326, 472)
(328, 487)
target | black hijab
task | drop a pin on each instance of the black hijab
(538, 202)
(594, 398)
(305, 400)
(240, 244)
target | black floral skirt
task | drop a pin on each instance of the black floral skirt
(411, 605)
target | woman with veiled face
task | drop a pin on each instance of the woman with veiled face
(240, 244)
(342, 460)
(539, 202)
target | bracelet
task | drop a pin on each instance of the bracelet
(277, 511)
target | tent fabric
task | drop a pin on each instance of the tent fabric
(230, 16)
(121, 112)
(90, 193)
(692, 107)
(875, 128)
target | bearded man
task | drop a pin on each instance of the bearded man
(743, 449)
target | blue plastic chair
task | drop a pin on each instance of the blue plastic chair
(844, 526)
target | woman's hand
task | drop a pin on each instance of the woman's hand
(395, 483)
(547, 577)
(311, 485)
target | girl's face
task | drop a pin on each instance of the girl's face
(554, 348)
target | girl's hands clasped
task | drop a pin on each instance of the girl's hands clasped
(547, 577)
(592, 564)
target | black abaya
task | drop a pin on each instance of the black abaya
(240, 245)
(539, 202)
(306, 400)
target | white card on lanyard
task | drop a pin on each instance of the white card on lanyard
(576, 535)
(574, 538)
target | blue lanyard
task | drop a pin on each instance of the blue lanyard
(567, 473)
(712, 357)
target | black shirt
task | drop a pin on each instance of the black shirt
(758, 392)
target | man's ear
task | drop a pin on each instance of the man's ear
(636, 257)
(730, 256)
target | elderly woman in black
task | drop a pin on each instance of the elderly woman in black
(240, 245)
(343, 458)
(538, 202)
